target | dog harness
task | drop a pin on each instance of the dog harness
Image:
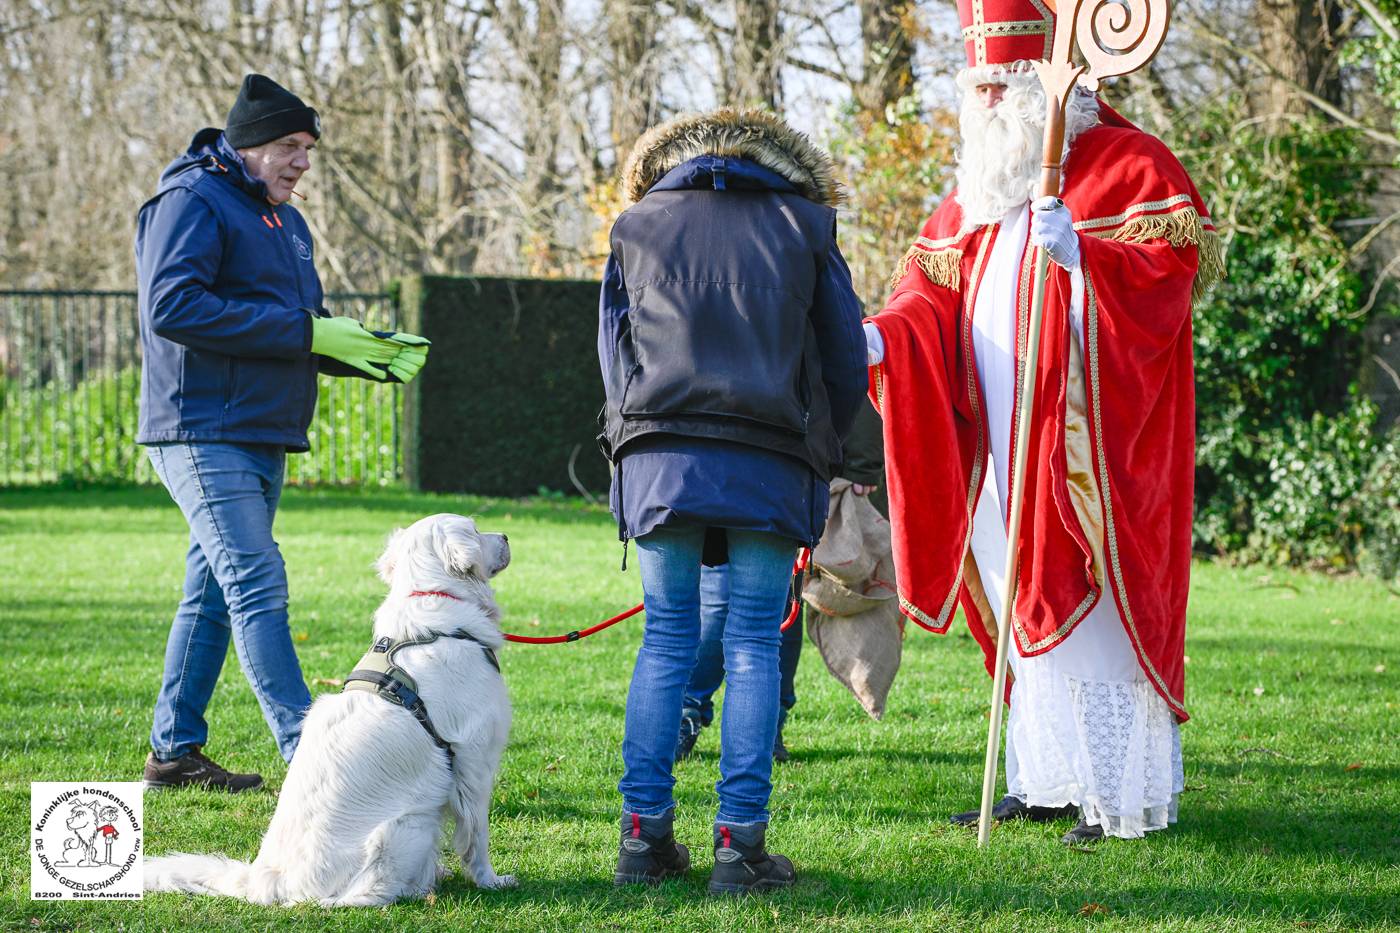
(377, 673)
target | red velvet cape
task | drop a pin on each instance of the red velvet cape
(1146, 242)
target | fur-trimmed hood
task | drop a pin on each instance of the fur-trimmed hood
(758, 135)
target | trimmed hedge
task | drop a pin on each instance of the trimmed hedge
(512, 387)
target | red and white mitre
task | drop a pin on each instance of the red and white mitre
(1004, 35)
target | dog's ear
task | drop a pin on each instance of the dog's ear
(387, 560)
(458, 546)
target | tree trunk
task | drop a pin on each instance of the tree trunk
(1295, 37)
(635, 79)
(757, 56)
(887, 74)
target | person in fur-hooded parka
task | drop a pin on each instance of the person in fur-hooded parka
(733, 362)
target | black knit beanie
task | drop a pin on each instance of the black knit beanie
(265, 111)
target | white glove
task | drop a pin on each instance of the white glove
(1052, 229)
(874, 344)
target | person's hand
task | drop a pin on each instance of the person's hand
(346, 340)
(412, 355)
(861, 489)
(874, 345)
(408, 340)
(409, 361)
(1052, 229)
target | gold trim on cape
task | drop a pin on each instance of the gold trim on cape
(1079, 462)
(1023, 301)
(941, 621)
(1175, 220)
(1091, 308)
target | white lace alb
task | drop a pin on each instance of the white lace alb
(1085, 726)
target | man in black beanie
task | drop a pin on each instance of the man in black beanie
(274, 132)
(233, 336)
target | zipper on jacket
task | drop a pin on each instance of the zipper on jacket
(621, 515)
(275, 225)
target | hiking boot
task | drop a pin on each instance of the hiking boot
(194, 769)
(691, 725)
(780, 752)
(1083, 834)
(649, 852)
(742, 863)
(1014, 808)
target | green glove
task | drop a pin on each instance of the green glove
(344, 339)
(409, 361)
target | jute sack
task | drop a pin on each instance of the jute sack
(855, 621)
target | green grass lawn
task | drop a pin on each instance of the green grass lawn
(1291, 818)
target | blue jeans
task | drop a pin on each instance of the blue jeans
(235, 587)
(708, 674)
(760, 570)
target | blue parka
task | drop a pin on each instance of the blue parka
(664, 479)
(227, 286)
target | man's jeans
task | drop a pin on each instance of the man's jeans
(235, 585)
(708, 675)
(760, 571)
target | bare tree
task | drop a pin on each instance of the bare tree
(634, 79)
(888, 29)
(757, 56)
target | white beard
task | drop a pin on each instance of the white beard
(999, 160)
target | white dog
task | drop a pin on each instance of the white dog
(360, 815)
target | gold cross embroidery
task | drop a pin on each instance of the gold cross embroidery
(980, 29)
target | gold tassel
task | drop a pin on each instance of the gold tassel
(901, 269)
(942, 267)
(1211, 268)
(1181, 228)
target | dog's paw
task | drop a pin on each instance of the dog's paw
(497, 882)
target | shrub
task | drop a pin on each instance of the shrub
(1330, 494)
(1283, 444)
(509, 398)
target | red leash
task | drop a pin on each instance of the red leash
(804, 557)
(575, 635)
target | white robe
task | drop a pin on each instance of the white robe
(1085, 726)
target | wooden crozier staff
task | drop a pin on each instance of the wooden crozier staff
(1116, 37)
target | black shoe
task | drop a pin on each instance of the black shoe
(742, 863)
(690, 732)
(1083, 835)
(195, 770)
(649, 852)
(1014, 808)
(780, 752)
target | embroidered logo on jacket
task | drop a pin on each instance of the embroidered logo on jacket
(303, 248)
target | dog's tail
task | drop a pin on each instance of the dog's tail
(212, 874)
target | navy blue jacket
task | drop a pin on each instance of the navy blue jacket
(227, 287)
(664, 479)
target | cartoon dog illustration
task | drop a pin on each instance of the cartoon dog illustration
(83, 823)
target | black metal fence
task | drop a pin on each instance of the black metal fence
(70, 374)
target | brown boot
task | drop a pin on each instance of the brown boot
(195, 770)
